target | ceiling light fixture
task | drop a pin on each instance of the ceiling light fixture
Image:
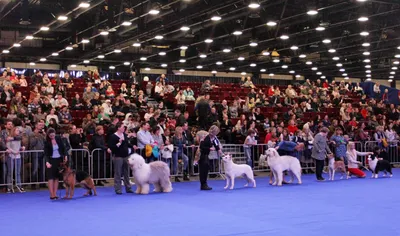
(339, 65)
(5, 51)
(185, 28)
(344, 74)
(243, 73)
(292, 72)
(62, 18)
(326, 41)
(143, 59)
(336, 58)
(203, 56)
(396, 62)
(162, 53)
(366, 53)
(84, 5)
(226, 50)
(308, 62)
(159, 37)
(43, 59)
(298, 76)
(29, 37)
(271, 23)
(214, 72)
(314, 68)
(117, 50)
(164, 65)
(219, 63)
(276, 60)
(332, 50)
(284, 67)
(266, 53)
(253, 65)
(253, 44)
(271, 74)
(182, 60)
(302, 55)
(294, 47)
(85, 41)
(69, 48)
(367, 61)
(364, 33)
(112, 67)
(154, 12)
(32, 63)
(184, 47)
(237, 32)
(73, 65)
(368, 71)
(320, 28)
(392, 72)
(363, 18)
(232, 68)
(16, 45)
(44, 28)
(368, 75)
(104, 33)
(54, 54)
(284, 37)
(346, 78)
(323, 77)
(368, 66)
(208, 41)
(342, 70)
(397, 56)
(100, 56)
(199, 67)
(312, 12)
(366, 44)
(254, 5)
(394, 68)
(241, 58)
(319, 73)
(216, 18)
(390, 80)
(87, 62)
(126, 23)
(263, 70)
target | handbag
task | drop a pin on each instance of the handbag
(384, 142)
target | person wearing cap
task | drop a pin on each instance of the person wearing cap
(107, 107)
(320, 151)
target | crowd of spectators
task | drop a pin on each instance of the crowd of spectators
(263, 115)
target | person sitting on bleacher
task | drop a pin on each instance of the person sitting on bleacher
(60, 101)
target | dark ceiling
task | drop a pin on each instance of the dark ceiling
(340, 18)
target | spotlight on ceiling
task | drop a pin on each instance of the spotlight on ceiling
(254, 5)
(294, 47)
(162, 53)
(241, 58)
(29, 37)
(216, 18)
(332, 50)
(164, 65)
(126, 23)
(143, 59)
(84, 5)
(219, 63)
(312, 12)
(363, 18)
(364, 33)
(159, 37)
(104, 33)
(154, 11)
(32, 63)
(100, 56)
(184, 47)
(208, 41)
(86, 61)
(320, 28)
(302, 56)
(16, 45)
(237, 32)
(185, 28)
(44, 28)
(253, 65)
(85, 41)
(226, 50)
(182, 60)
(136, 44)
(5, 51)
(62, 18)
(366, 44)
(271, 23)
(232, 68)
(199, 67)
(263, 70)
(112, 67)
(284, 37)
(54, 54)
(326, 41)
(43, 59)
(203, 56)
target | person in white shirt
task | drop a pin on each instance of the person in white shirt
(107, 107)
(60, 101)
(248, 144)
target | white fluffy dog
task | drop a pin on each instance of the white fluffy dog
(233, 170)
(156, 173)
(278, 164)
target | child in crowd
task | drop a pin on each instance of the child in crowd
(248, 144)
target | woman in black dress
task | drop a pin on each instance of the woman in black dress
(208, 144)
(54, 153)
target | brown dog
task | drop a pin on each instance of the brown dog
(337, 165)
(71, 177)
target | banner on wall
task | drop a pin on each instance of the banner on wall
(394, 94)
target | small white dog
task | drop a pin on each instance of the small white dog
(233, 170)
(262, 162)
(156, 173)
(278, 164)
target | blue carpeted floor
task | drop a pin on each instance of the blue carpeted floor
(353, 207)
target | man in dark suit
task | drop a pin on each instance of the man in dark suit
(190, 150)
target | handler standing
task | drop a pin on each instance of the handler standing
(121, 149)
(320, 151)
(210, 143)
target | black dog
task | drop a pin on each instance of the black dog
(378, 164)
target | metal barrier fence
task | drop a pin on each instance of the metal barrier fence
(30, 168)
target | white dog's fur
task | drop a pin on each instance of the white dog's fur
(278, 164)
(233, 170)
(156, 173)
